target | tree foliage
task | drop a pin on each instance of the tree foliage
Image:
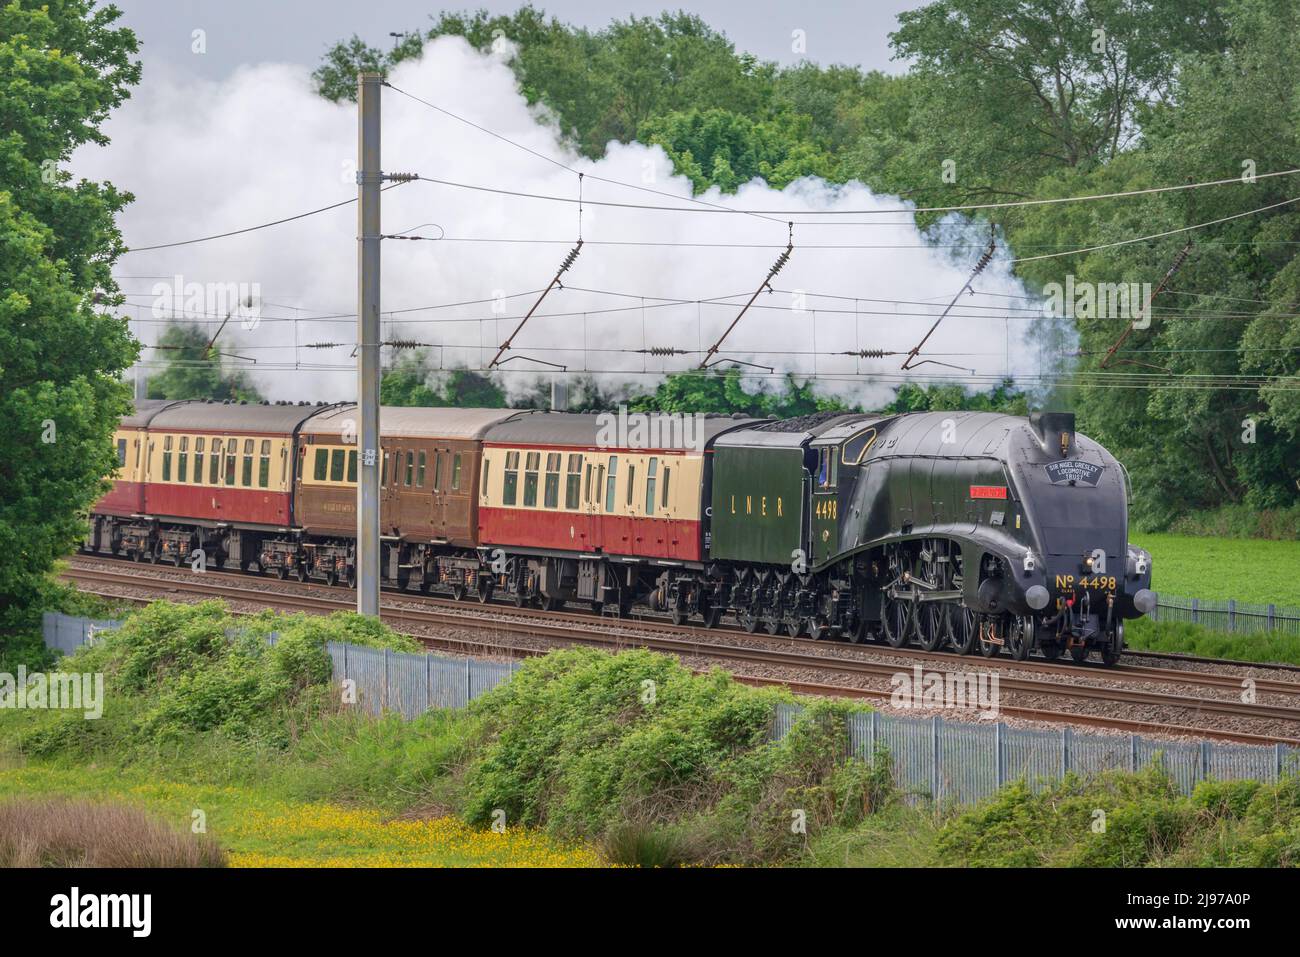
(195, 370)
(63, 67)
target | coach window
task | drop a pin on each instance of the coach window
(167, 459)
(183, 460)
(232, 447)
(667, 475)
(410, 467)
(198, 460)
(214, 463)
(320, 469)
(531, 464)
(651, 477)
(337, 463)
(246, 477)
(552, 492)
(437, 471)
(352, 466)
(511, 488)
(611, 480)
(383, 471)
(631, 483)
(455, 472)
(264, 465)
(121, 453)
(573, 481)
(420, 468)
(483, 490)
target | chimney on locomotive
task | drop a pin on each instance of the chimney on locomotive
(1055, 431)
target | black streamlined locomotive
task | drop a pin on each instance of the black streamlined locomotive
(963, 530)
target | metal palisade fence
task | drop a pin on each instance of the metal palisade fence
(946, 761)
(1230, 615)
(383, 680)
(964, 762)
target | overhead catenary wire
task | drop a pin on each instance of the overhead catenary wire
(742, 211)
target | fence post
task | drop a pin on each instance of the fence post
(1196, 611)
(1205, 760)
(428, 682)
(999, 762)
(1132, 752)
(469, 689)
(386, 702)
(1232, 614)
(871, 738)
(1066, 735)
(1155, 612)
(1277, 763)
(935, 777)
(1272, 613)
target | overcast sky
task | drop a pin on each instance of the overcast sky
(240, 32)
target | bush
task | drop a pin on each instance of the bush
(661, 765)
(173, 672)
(1120, 819)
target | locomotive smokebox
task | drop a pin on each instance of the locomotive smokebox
(1055, 431)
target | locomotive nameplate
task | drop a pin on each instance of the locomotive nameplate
(1074, 472)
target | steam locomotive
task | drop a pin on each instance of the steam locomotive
(956, 530)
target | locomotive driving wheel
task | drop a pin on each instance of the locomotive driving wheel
(963, 629)
(931, 616)
(897, 619)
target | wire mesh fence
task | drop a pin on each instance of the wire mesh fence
(1230, 615)
(964, 762)
(932, 759)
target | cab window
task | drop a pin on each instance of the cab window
(827, 468)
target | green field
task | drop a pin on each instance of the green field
(1246, 569)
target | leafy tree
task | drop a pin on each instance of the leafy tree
(63, 67)
(410, 382)
(195, 371)
(720, 148)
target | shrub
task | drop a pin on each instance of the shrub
(661, 765)
(173, 672)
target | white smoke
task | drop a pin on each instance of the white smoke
(205, 158)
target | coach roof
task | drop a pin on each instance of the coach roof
(232, 417)
(417, 422)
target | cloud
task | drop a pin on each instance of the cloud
(204, 157)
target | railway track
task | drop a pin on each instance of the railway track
(806, 667)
